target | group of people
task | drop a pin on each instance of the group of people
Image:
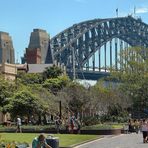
(139, 126)
(71, 123)
(134, 125)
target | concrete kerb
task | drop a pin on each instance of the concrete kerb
(93, 140)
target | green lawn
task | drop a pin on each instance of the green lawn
(103, 126)
(65, 139)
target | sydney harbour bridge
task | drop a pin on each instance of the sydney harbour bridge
(89, 48)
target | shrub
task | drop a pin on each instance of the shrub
(90, 121)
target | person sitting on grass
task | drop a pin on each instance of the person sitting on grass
(40, 142)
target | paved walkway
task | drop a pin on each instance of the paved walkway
(121, 141)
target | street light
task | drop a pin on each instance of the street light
(60, 109)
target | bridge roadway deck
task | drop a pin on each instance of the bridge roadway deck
(89, 75)
(121, 141)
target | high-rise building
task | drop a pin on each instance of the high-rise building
(37, 51)
(6, 49)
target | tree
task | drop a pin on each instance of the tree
(23, 103)
(29, 78)
(56, 84)
(46, 100)
(6, 91)
(133, 76)
(52, 72)
(106, 97)
(75, 98)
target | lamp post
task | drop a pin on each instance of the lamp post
(60, 109)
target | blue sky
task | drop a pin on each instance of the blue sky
(20, 17)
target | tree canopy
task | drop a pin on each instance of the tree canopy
(133, 76)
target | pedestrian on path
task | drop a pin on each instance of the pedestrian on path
(19, 124)
(144, 130)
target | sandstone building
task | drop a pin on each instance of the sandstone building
(37, 51)
(6, 49)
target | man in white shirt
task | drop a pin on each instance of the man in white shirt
(19, 124)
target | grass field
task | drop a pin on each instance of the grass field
(103, 126)
(64, 139)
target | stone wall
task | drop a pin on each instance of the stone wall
(9, 71)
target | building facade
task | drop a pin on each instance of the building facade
(9, 71)
(6, 49)
(37, 50)
(33, 56)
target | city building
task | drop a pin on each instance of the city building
(6, 49)
(37, 50)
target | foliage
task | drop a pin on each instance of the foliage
(23, 103)
(90, 120)
(134, 77)
(29, 78)
(52, 72)
(46, 99)
(56, 84)
(39, 94)
(105, 97)
(113, 118)
(77, 97)
(115, 110)
(6, 90)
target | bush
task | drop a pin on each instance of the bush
(113, 118)
(90, 121)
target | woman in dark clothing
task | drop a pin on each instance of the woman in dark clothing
(130, 127)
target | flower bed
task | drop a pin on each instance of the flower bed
(4, 144)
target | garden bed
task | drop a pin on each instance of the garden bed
(92, 130)
(102, 132)
(89, 132)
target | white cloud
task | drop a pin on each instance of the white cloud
(142, 10)
(138, 10)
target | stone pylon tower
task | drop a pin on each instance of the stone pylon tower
(6, 49)
(37, 50)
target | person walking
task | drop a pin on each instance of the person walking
(19, 124)
(58, 124)
(130, 126)
(144, 130)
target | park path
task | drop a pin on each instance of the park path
(121, 141)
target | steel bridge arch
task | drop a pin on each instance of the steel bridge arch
(80, 41)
